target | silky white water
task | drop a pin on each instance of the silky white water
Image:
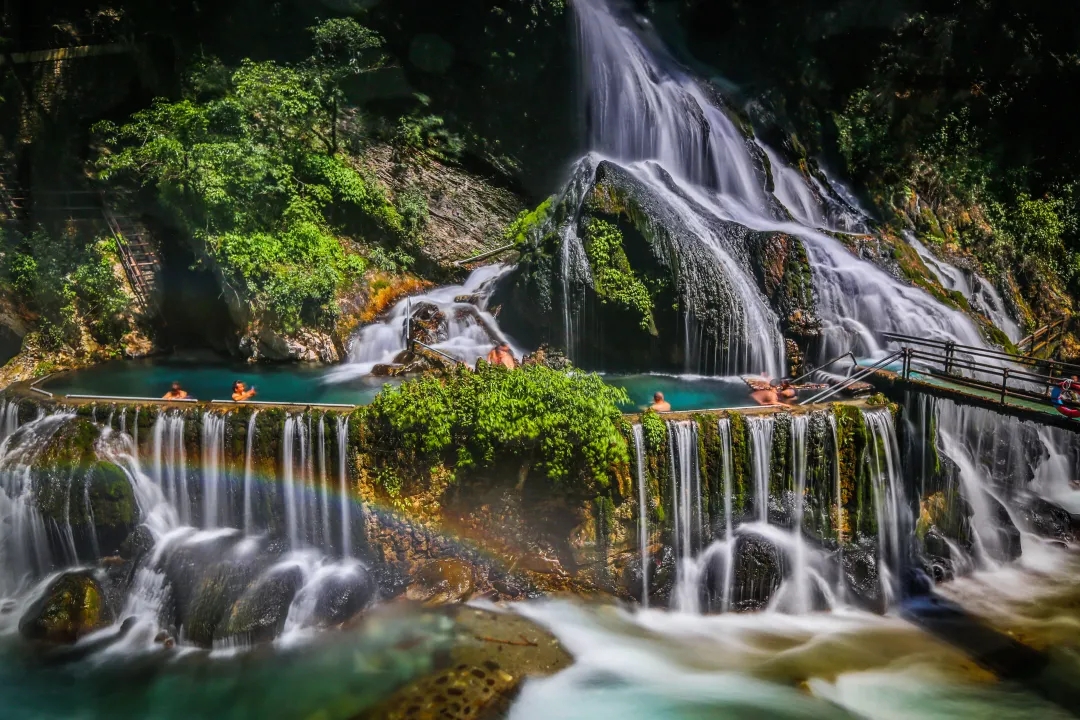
(653, 119)
(469, 330)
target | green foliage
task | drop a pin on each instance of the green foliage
(422, 134)
(246, 169)
(63, 280)
(654, 430)
(565, 422)
(526, 228)
(613, 279)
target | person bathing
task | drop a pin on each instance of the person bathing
(659, 403)
(241, 393)
(175, 392)
(502, 355)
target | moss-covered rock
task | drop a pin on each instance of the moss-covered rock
(72, 606)
(75, 490)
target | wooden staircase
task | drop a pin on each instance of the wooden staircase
(1044, 342)
(138, 255)
(134, 245)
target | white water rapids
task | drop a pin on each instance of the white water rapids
(648, 115)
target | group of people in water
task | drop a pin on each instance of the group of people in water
(240, 392)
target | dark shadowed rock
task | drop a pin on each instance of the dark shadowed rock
(259, 615)
(343, 596)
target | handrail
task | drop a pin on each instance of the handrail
(978, 351)
(825, 365)
(273, 402)
(129, 397)
(852, 379)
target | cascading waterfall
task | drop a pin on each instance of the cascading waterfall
(686, 513)
(24, 541)
(249, 472)
(467, 331)
(324, 490)
(890, 506)
(799, 570)
(170, 461)
(728, 477)
(343, 484)
(288, 480)
(643, 513)
(9, 419)
(761, 442)
(646, 113)
(213, 461)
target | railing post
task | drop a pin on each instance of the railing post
(907, 363)
(1004, 384)
(1050, 373)
(949, 346)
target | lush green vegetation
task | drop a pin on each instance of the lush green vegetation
(566, 423)
(247, 165)
(613, 279)
(66, 282)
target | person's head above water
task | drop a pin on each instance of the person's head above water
(176, 385)
(238, 385)
(658, 397)
(503, 346)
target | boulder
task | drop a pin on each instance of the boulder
(343, 596)
(1046, 519)
(73, 605)
(759, 570)
(259, 614)
(439, 582)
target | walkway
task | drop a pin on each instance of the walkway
(1016, 385)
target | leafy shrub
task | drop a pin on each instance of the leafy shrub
(566, 422)
(613, 279)
(63, 279)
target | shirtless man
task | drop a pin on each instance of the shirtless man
(501, 355)
(659, 404)
(240, 393)
(766, 396)
(175, 392)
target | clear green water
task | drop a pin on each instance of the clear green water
(308, 384)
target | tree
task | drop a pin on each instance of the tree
(343, 49)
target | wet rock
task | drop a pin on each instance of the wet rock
(1047, 520)
(481, 674)
(215, 594)
(343, 596)
(439, 582)
(549, 357)
(1005, 546)
(72, 606)
(305, 346)
(259, 615)
(759, 570)
(860, 568)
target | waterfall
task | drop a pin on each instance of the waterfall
(467, 331)
(288, 481)
(249, 472)
(761, 439)
(660, 124)
(24, 542)
(890, 506)
(324, 491)
(838, 523)
(980, 292)
(728, 477)
(643, 511)
(213, 448)
(9, 419)
(799, 571)
(170, 461)
(686, 511)
(343, 483)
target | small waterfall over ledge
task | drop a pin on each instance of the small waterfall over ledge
(194, 510)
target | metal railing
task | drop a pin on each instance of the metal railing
(865, 371)
(1005, 375)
